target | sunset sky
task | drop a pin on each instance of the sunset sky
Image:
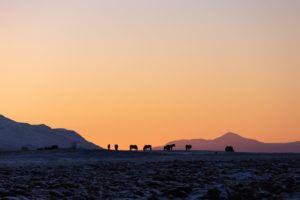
(151, 71)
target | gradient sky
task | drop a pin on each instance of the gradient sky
(141, 71)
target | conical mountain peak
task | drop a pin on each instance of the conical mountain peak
(229, 135)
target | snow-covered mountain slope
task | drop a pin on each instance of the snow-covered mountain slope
(14, 136)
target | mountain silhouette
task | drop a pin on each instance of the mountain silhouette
(15, 135)
(240, 144)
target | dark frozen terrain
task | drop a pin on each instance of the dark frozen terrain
(94, 174)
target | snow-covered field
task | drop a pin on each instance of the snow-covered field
(67, 174)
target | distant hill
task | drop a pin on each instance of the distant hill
(14, 136)
(239, 143)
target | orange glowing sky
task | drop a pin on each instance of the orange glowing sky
(141, 71)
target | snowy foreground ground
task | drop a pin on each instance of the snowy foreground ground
(66, 174)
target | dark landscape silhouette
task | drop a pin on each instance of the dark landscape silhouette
(21, 136)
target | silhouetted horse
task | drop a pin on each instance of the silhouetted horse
(146, 147)
(188, 147)
(229, 149)
(116, 147)
(133, 147)
(52, 147)
(169, 147)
